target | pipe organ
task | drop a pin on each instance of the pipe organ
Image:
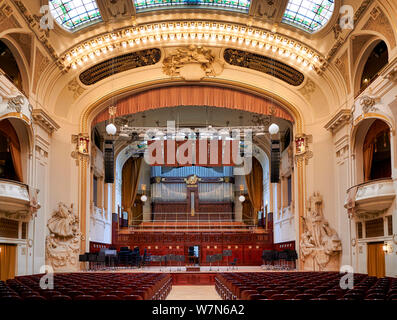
(193, 193)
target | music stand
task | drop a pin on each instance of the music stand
(209, 259)
(219, 257)
(227, 254)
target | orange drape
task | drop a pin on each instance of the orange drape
(368, 155)
(195, 96)
(377, 128)
(130, 181)
(8, 255)
(254, 182)
(8, 130)
(247, 211)
(376, 260)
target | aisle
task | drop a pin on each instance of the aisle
(193, 293)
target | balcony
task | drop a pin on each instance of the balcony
(15, 201)
(13, 103)
(373, 197)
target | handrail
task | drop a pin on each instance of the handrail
(14, 182)
(370, 182)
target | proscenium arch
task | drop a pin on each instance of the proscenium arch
(89, 113)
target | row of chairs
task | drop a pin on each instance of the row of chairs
(279, 260)
(302, 286)
(89, 286)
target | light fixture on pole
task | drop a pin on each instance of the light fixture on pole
(144, 197)
(274, 129)
(241, 198)
(111, 128)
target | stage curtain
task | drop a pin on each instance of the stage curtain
(254, 182)
(7, 261)
(247, 211)
(8, 130)
(196, 96)
(376, 260)
(130, 181)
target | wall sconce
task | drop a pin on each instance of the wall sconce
(208, 247)
(170, 247)
(236, 247)
(250, 247)
(149, 247)
(387, 248)
(177, 247)
(215, 247)
(156, 247)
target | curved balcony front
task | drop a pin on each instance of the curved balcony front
(15, 201)
(373, 197)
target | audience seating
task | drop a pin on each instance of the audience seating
(302, 286)
(89, 286)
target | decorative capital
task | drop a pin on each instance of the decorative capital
(339, 120)
(44, 120)
(81, 152)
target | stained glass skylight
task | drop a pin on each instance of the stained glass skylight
(310, 15)
(72, 14)
(237, 5)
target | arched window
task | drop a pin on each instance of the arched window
(309, 15)
(73, 14)
(378, 58)
(10, 153)
(9, 66)
(236, 5)
(376, 152)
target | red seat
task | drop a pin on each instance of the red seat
(84, 297)
(257, 296)
(132, 297)
(60, 297)
(280, 296)
(108, 297)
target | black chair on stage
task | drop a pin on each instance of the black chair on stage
(283, 258)
(219, 258)
(233, 264)
(84, 259)
(292, 257)
(101, 260)
(267, 257)
(92, 261)
(125, 257)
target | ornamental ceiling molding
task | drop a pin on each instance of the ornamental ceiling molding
(42, 35)
(264, 64)
(120, 64)
(203, 33)
(192, 63)
(341, 40)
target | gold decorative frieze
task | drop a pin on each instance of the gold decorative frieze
(264, 64)
(192, 63)
(193, 32)
(120, 64)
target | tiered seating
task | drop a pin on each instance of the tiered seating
(89, 286)
(190, 226)
(302, 286)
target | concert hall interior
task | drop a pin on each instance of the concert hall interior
(247, 147)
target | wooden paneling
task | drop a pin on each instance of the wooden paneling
(246, 247)
(202, 279)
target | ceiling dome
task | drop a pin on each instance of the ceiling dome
(309, 15)
(74, 14)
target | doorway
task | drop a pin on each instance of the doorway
(8, 256)
(376, 260)
(194, 255)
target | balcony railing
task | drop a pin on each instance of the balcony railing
(14, 200)
(372, 197)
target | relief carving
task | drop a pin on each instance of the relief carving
(264, 9)
(16, 103)
(63, 242)
(308, 89)
(368, 104)
(192, 63)
(319, 240)
(75, 87)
